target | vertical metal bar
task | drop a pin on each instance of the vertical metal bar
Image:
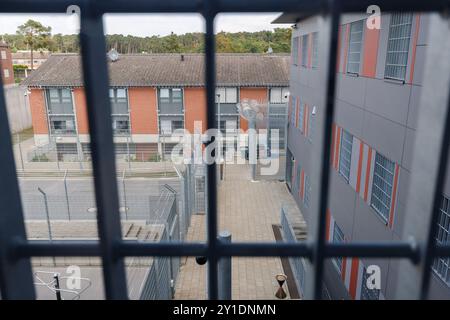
(431, 139)
(430, 253)
(16, 280)
(93, 48)
(224, 270)
(318, 256)
(211, 183)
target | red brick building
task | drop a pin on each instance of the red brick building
(6, 66)
(151, 96)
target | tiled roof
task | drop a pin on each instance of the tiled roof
(169, 70)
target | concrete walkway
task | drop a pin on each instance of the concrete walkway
(248, 210)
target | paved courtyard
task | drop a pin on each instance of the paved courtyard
(248, 210)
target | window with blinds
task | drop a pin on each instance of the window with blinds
(354, 47)
(338, 237)
(383, 177)
(441, 265)
(345, 157)
(398, 46)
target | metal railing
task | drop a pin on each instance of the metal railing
(15, 251)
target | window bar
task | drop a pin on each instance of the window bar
(16, 280)
(211, 183)
(319, 246)
(93, 48)
(430, 253)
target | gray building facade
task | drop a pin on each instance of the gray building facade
(380, 73)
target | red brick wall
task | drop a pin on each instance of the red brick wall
(38, 111)
(143, 110)
(81, 110)
(195, 107)
(6, 64)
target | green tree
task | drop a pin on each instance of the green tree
(35, 36)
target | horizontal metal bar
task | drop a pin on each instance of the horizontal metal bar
(176, 6)
(77, 248)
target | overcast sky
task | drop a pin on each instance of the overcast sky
(146, 25)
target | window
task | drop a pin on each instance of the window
(60, 111)
(62, 125)
(301, 115)
(279, 95)
(315, 50)
(119, 101)
(307, 195)
(338, 237)
(6, 73)
(169, 124)
(345, 156)
(441, 265)
(366, 293)
(119, 109)
(295, 51)
(3, 55)
(305, 50)
(226, 95)
(354, 46)
(121, 124)
(383, 177)
(398, 46)
(170, 101)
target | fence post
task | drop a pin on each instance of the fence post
(224, 270)
(67, 194)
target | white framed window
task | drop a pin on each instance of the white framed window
(6, 73)
(164, 93)
(279, 95)
(398, 46)
(226, 95)
(305, 50)
(295, 51)
(3, 55)
(383, 179)
(315, 50)
(355, 46)
(441, 265)
(345, 156)
(366, 293)
(338, 237)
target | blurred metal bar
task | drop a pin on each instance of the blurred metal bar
(318, 235)
(430, 155)
(73, 248)
(93, 48)
(16, 279)
(176, 6)
(211, 183)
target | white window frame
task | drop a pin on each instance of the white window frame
(382, 186)
(345, 151)
(227, 95)
(6, 73)
(338, 237)
(278, 95)
(395, 69)
(441, 265)
(355, 47)
(4, 55)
